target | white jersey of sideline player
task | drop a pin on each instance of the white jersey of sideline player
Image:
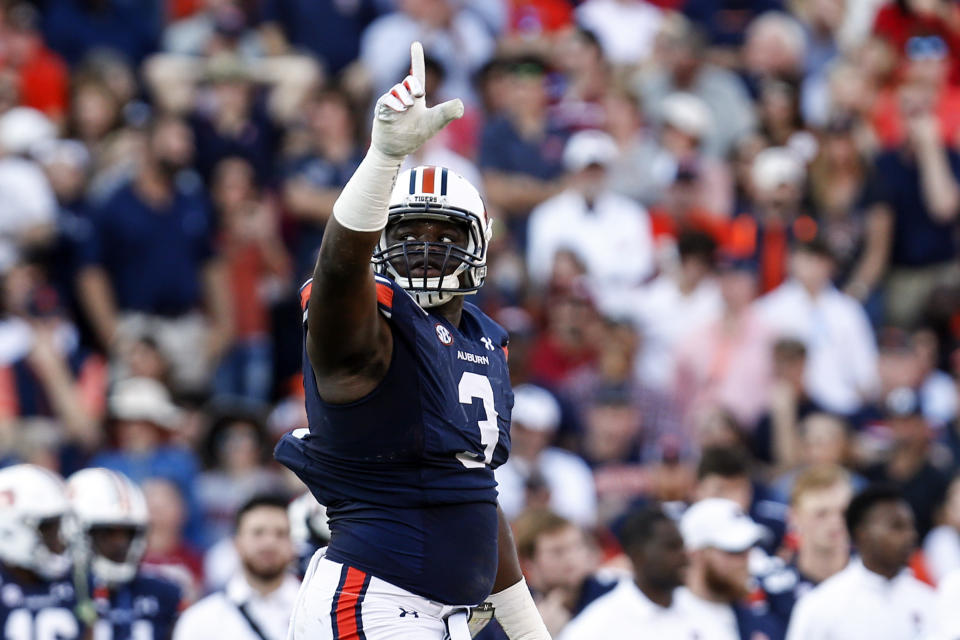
(219, 615)
(626, 613)
(857, 604)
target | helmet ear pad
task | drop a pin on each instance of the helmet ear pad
(435, 193)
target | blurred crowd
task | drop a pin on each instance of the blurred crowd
(726, 248)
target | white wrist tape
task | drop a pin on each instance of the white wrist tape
(517, 613)
(362, 205)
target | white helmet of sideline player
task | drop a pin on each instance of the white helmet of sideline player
(436, 193)
(308, 521)
(33, 502)
(101, 498)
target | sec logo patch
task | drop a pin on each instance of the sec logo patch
(444, 335)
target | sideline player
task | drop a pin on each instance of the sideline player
(109, 539)
(37, 598)
(408, 399)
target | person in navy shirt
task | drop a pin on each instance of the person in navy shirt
(150, 265)
(110, 518)
(818, 503)
(408, 401)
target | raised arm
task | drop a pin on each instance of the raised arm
(349, 343)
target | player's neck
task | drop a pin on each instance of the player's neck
(22, 576)
(451, 311)
(820, 566)
(657, 595)
(264, 586)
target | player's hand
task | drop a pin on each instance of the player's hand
(402, 122)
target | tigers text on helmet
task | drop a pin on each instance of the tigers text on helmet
(29, 497)
(101, 498)
(436, 193)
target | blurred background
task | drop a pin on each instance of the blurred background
(727, 244)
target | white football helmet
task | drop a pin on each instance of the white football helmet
(104, 498)
(436, 193)
(31, 496)
(308, 520)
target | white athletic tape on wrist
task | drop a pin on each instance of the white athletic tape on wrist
(362, 205)
(517, 613)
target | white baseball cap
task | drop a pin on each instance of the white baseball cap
(23, 128)
(688, 113)
(144, 399)
(720, 524)
(535, 408)
(585, 148)
(776, 166)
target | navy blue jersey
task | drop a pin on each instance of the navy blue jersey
(406, 472)
(41, 610)
(144, 609)
(782, 587)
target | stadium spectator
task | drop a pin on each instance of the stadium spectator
(841, 371)
(677, 149)
(521, 149)
(777, 435)
(646, 605)
(668, 310)
(898, 22)
(234, 448)
(259, 599)
(725, 362)
(330, 31)
(565, 477)
(560, 565)
(817, 507)
(625, 28)
(681, 64)
(452, 34)
(824, 439)
(42, 75)
(916, 200)
(718, 536)
(586, 77)
(564, 346)
(174, 289)
(27, 203)
(724, 472)
(838, 182)
(168, 552)
(609, 233)
(145, 424)
(937, 389)
(45, 371)
(908, 464)
(74, 28)
(256, 261)
(217, 26)
(941, 547)
(315, 173)
(874, 596)
(771, 219)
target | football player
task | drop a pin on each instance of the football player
(408, 399)
(37, 598)
(308, 529)
(108, 536)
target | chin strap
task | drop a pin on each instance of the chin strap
(517, 613)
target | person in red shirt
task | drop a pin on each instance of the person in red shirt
(43, 76)
(911, 25)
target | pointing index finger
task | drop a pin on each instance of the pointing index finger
(416, 63)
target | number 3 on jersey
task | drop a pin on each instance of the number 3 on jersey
(473, 385)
